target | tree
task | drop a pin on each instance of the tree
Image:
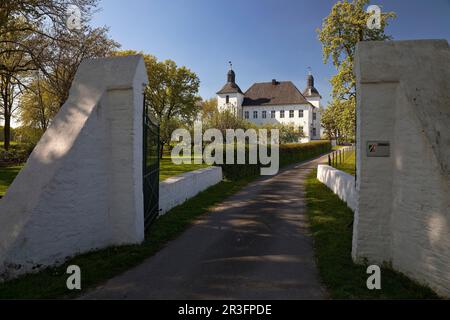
(14, 67)
(34, 35)
(31, 20)
(62, 57)
(38, 105)
(342, 29)
(209, 108)
(171, 94)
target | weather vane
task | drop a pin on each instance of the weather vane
(309, 70)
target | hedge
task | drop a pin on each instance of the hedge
(289, 154)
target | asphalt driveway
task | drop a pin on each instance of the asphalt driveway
(255, 245)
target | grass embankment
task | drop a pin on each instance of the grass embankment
(169, 169)
(7, 175)
(349, 162)
(331, 226)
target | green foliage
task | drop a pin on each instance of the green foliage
(339, 120)
(342, 29)
(16, 153)
(348, 164)
(331, 226)
(171, 94)
(289, 154)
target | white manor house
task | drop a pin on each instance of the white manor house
(275, 102)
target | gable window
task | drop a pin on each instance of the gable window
(314, 116)
(246, 114)
(227, 99)
(264, 114)
(291, 113)
(255, 114)
(272, 114)
(282, 114)
(300, 113)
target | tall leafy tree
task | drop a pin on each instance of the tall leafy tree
(341, 30)
(171, 95)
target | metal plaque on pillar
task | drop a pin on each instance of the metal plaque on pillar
(378, 149)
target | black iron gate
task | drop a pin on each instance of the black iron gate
(151, 168)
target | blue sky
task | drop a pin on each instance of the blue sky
(264, 39)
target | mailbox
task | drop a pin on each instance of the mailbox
(378, 149)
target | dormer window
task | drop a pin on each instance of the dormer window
(227, 99)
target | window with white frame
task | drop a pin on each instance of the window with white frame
(291, 113)
(282, 114)
(255, 114)
(246, 114)
(264, 114)
(272, 114)
(300, 113)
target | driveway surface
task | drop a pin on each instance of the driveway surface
(254, 245)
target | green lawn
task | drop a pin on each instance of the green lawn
(169, 169)
(348, 165)
(331, 225)
(7, 175)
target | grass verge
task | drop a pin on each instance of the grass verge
(99, 266)
(348, 165)
(331, 226)
(7, 175)
(169, 169)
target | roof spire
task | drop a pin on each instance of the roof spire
(231, 76)
(309, 71)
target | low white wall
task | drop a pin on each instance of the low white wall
(81, 188)
(176, 190)
(341, 183)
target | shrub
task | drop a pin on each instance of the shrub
(289, 154)
(15, 155)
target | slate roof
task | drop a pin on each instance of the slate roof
(230, 87)
(268, 93)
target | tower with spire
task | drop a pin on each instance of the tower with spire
(230, 97)
(311, 93)
(274, 102)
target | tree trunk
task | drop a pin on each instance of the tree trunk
(161, 150)
(7, 131)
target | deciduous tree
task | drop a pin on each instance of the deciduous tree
(341, 30)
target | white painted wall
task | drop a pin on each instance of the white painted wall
(234, 105)
(340, 182)
(306, 122)
(177, 190)
(403, 213)
(81, 188)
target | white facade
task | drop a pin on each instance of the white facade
(304, 115)
(301, 116)
(230, 101)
